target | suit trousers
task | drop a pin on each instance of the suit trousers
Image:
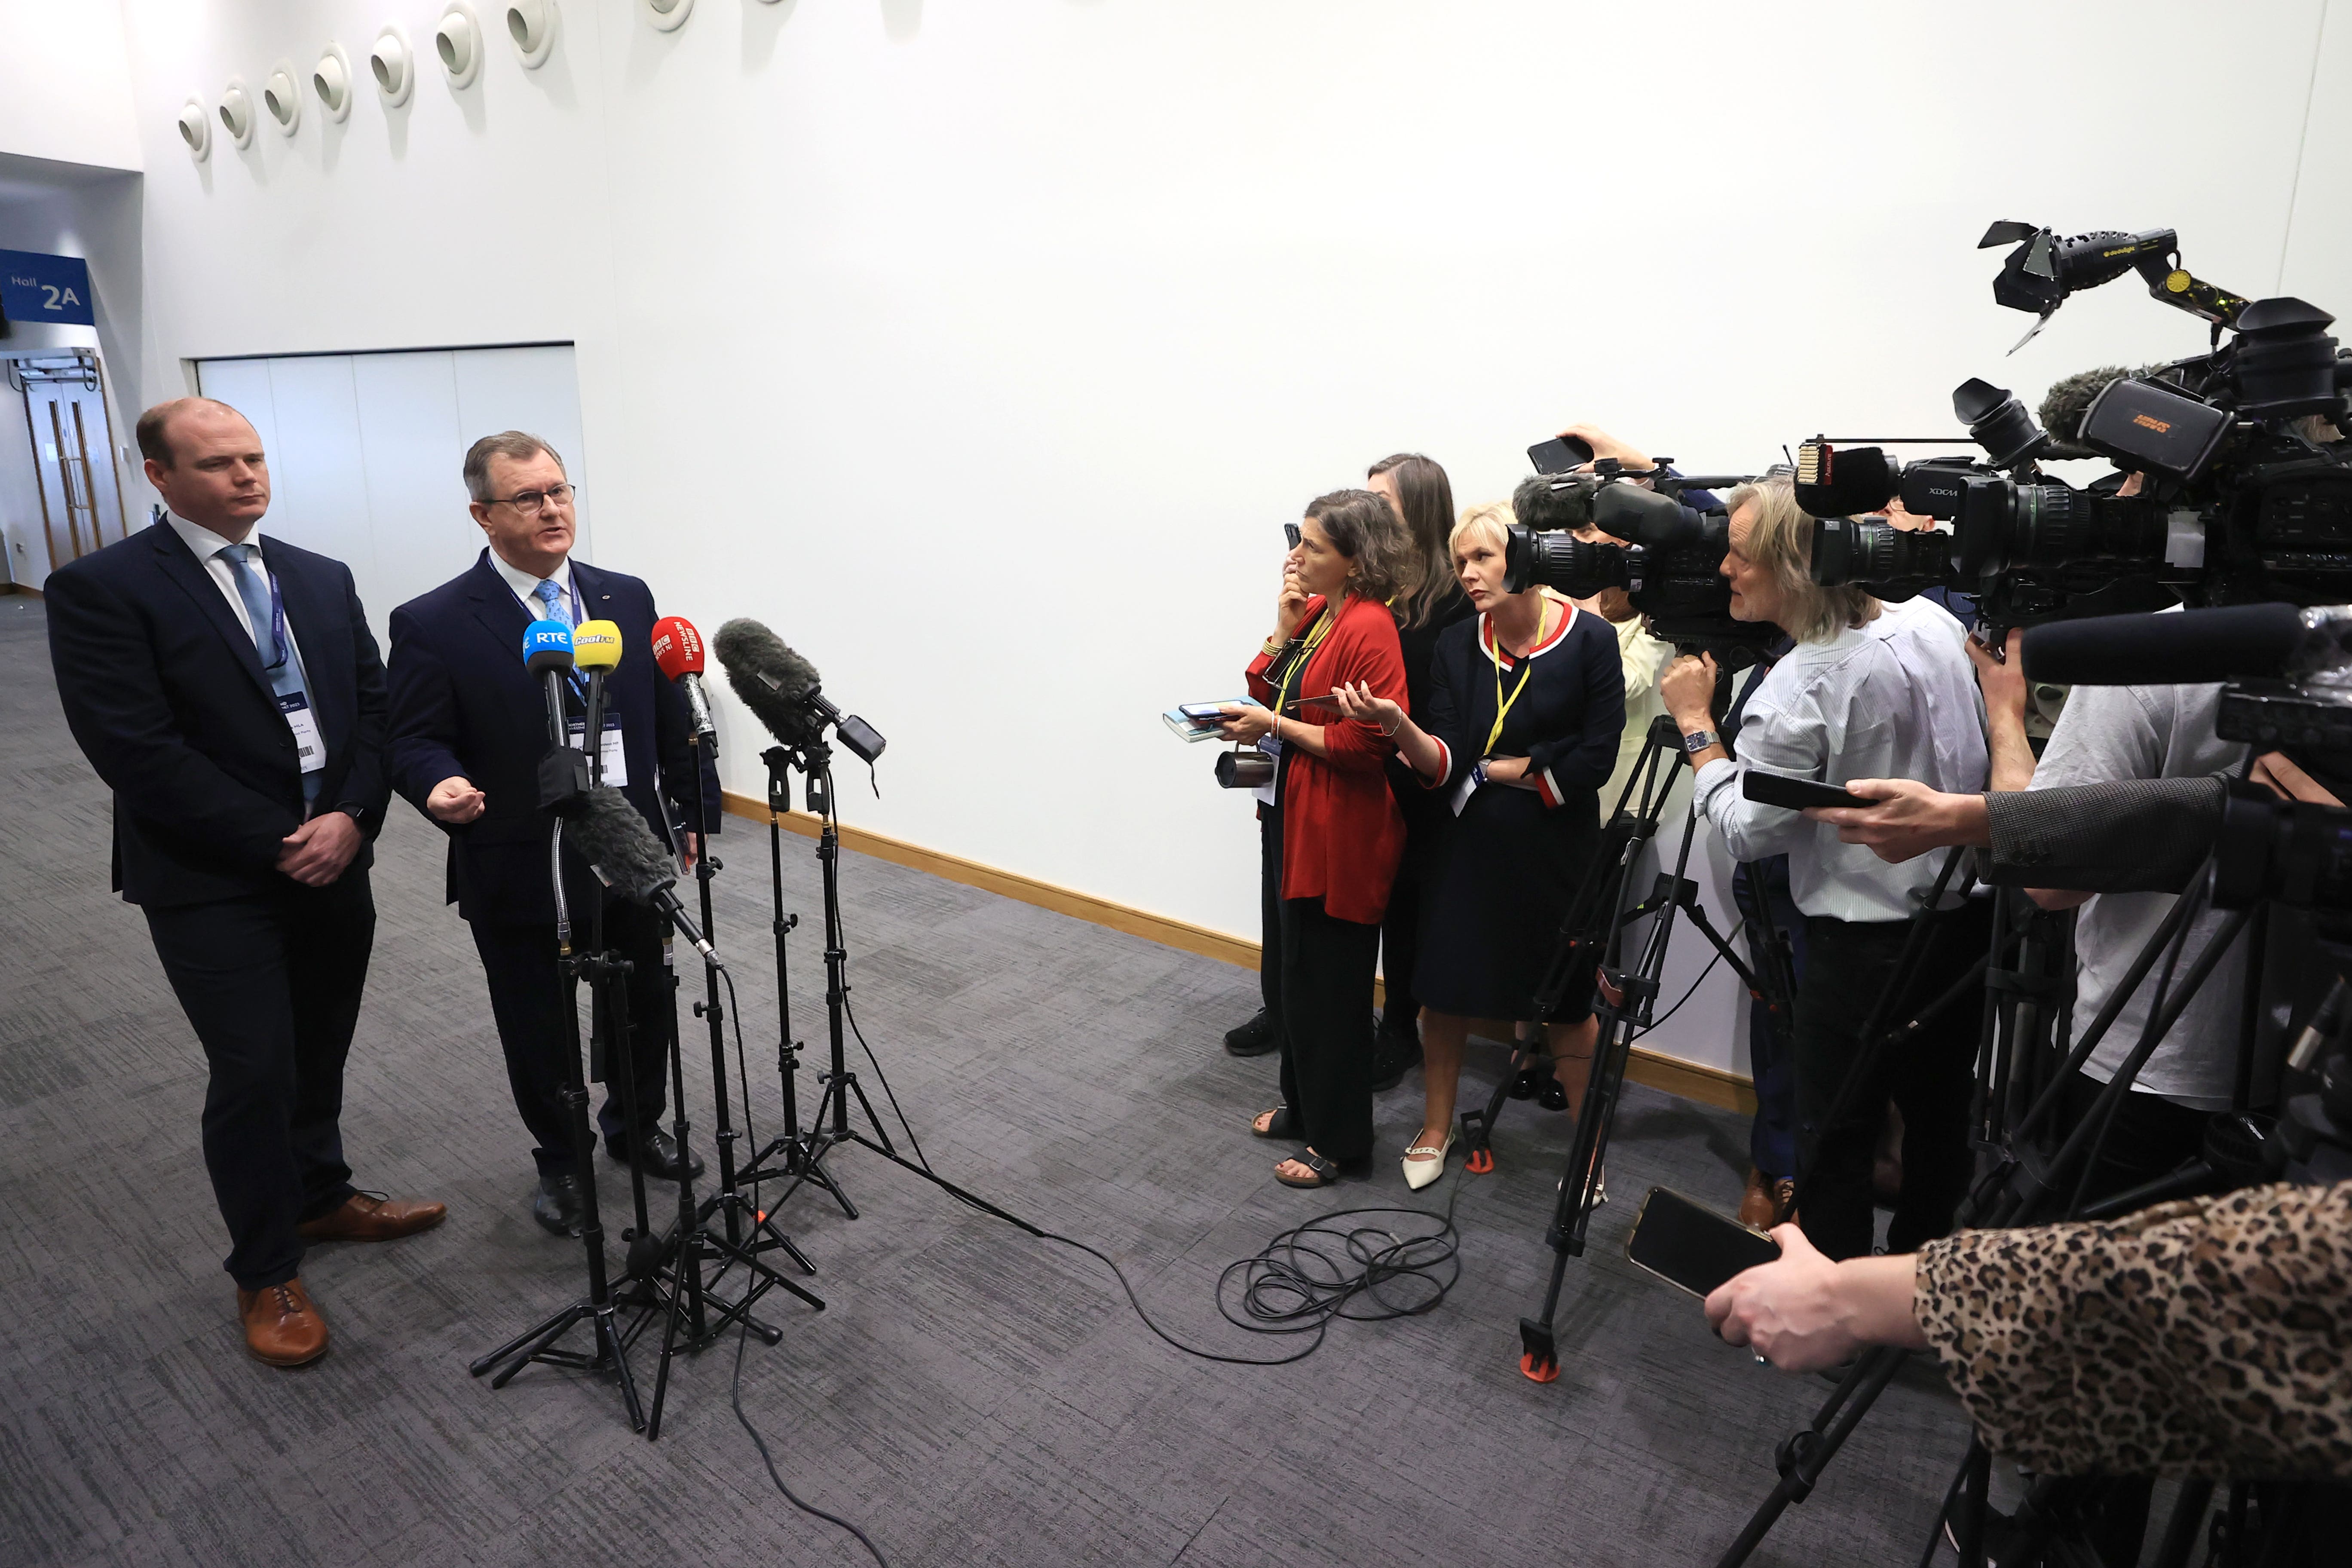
(528, 997)
(1928, 1075)
(271, 985)
(1772, 1135)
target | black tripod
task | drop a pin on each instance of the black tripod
(606, 975)
(690, 1246)
(2025, 1185)
(1628, 1000)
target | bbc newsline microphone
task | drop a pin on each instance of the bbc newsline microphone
(609, 834)
(678, 652)
(2188, 647)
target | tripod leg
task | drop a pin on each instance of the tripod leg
(1804, 1456)
(523, 1351)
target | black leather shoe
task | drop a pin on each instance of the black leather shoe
(559, 1207)
(1253, 1038)
(1394, 1056)
(660, 1156)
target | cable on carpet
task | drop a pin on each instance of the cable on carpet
(735, 1396)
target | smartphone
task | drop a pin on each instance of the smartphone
(1290, 533)
(1779, 789)
(1558, 455)
(1326, 701)
(1689, 1245)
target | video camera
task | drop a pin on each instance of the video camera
(2242, 496)
(1670, 564)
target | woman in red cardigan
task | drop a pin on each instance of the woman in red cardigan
(1337, 833)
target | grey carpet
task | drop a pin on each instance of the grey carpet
(969, 1395)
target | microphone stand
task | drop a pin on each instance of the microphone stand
(538, 1342)
(690, 1243)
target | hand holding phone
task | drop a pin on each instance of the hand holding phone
(1688, 1245)
(1780, 789)
(1560, 455)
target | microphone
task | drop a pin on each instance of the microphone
(2068, 399)
(781, 689)
(1846, 482)
(2188, 647)
(547, 651)
(615, 841)
(597, 648)
(677, 650)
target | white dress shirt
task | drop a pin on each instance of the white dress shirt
(1895, 699)
(525, 587)
(208, 546)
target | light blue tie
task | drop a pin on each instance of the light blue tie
(550, 595)
(285, 676)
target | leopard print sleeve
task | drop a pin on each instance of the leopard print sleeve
(2210, 1338)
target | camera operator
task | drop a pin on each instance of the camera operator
(2205, 1338)
(1333, 827)
(1423, 499)
(1524, 706)
(1869, 689)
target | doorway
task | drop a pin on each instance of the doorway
(72, 440)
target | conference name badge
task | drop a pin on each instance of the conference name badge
(308, 746)
(610, 751)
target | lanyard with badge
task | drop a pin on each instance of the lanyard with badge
(310, 749)
(1269, 742)
(1477, 775)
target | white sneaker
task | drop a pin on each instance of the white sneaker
(1431, 1164)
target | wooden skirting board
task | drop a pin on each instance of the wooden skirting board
(1708, 1085)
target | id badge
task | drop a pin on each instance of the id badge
(1272, 748)
(609, 750)
(308, 746)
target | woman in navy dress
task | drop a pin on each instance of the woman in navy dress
(1521, 731)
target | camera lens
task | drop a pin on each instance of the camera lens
(1562, 562)
(1870, 551)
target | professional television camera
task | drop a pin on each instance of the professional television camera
(1670, 562)
(2245, 486)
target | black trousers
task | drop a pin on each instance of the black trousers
(1400, 926)
(271, 985)
(1928, 1076)
(527, 996)
(1327, 1039)
(1772, 1135)
(1269, 911)
(2149, 1136)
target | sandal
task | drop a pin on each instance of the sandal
(1325, 1171)
(1282, 1122)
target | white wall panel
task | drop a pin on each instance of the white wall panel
(534, 390)
(409, 427)
(320, 492)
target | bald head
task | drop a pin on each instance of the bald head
(205, 459)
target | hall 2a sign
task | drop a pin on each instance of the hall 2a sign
(36, 288)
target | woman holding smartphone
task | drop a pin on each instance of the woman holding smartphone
(1525, 706)
(1333, 827)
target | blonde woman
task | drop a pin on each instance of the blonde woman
(1525, 705)
(1870, 690)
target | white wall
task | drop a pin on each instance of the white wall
(65, 83)
(982, 349)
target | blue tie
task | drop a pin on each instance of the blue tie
(285, 677)
(551, 596)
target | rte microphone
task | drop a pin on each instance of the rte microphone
(2188, 647)
(782, 688)
(547, 651)
(626, 857)
(597, 648)
(677, 650)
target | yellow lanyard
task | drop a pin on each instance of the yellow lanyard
(1527, 668)
(1321, 629)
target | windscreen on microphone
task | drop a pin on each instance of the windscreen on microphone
(2188, 647)
(677, 647)
(614, 840)
(773, 680)
(546, 644)
(596, 645)
(1843, 482)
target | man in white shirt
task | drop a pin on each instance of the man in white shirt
(1871, 690)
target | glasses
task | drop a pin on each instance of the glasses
(538, 500)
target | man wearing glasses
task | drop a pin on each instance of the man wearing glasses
(224, 685)
(468, 728)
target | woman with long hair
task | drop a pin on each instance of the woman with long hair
(1333, 828)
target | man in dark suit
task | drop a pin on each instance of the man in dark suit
(224, 685)
(468, 728)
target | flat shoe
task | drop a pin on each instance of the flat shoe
(1325, 1171)
(1281, 1122)
(1420, 1172)
(1550, 1094)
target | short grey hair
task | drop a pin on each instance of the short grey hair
(518, 445)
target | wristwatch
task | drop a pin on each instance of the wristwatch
(1698, 741)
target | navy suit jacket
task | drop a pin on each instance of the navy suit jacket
(166, 692)
(462, 703)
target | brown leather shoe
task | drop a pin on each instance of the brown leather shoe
(367, 1217)
(281, 1326)
(1756, 1206)
(1784, 1202)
